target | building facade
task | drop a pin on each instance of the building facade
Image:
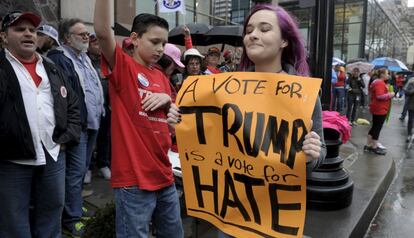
(362, 28)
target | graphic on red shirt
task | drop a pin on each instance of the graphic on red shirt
(140, 139)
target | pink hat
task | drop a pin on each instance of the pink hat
(174, 53)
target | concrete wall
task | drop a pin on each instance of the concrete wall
(48, 9)
(82, 9)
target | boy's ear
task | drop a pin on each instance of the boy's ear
(134, 37)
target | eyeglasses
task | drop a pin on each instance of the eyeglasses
(82, 34)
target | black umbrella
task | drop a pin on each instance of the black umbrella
(229, 35)
(120, 30)
(197, 30)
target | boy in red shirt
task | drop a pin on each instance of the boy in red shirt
(140, 96)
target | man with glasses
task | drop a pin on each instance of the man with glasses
(72, 58)
(39, 117)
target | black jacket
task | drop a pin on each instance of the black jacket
(15, 136)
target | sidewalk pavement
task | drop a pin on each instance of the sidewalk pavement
(372, 175)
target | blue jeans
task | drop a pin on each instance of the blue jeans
(37, 192)
(75, 171)
(338, 99)
(135, 208)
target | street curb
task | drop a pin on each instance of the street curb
(372, 175)
(362, 226)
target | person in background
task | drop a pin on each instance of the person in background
(39, 118)
(334, 79)
(193, 61)
(380, 101)
(399, 83)
(72, 58)
(47, 38)
(172, 67)
(364, 96)
(355, 86)
(409, 97)
(127, 46)
(228, 64)
(212, 60)
(339, 90)
(103, 143)
(273, 44)
(142, 176)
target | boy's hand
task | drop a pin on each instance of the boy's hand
(154, 101)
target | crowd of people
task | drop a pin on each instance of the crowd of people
(376, 88)
(71, 100)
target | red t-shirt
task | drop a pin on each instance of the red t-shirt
(31, 68)
(140, 140)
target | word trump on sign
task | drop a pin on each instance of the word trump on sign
(240, 143)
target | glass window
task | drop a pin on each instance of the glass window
(145, 6)
(187, 18)
(338, 34)
(339, 13)
(203, 11)
(170, 17)
(353, 12)
(353, 33)
(337, 51)
(352, 52)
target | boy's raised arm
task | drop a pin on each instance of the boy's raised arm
(103, 31)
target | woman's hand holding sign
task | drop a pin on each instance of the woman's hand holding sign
(312, 145)
(174, 115)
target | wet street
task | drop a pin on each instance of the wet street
(395, 218)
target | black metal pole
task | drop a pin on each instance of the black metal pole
(321, 59)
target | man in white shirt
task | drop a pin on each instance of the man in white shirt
(38, 117)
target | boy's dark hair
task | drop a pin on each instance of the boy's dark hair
(64, 27)
(144, 21)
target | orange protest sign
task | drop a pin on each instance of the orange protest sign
(240, 143)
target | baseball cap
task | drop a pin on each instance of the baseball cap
(126, 43)
(13, 18)
(213, 50)
(192, 52)
(49, 31)
(174, 53)
(227, 54)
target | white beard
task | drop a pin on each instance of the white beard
(82, 47)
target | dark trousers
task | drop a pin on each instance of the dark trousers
(410, 121)
(103, 144)
(353, 103)
(377, 123)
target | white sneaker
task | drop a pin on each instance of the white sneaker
(105, 172)
(88, 177)
(379, 145)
